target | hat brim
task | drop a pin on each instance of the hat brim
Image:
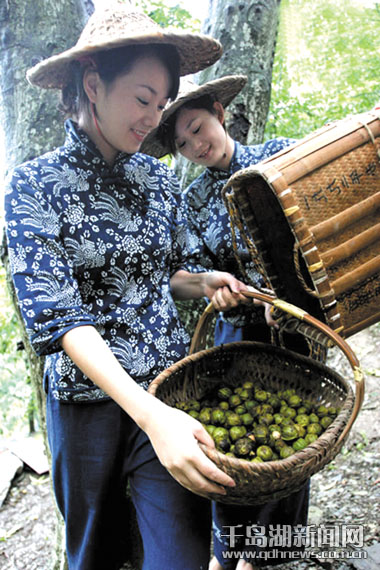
(223, 90)
(196, 52)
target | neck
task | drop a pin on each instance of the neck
(225, 161)
(89, 124)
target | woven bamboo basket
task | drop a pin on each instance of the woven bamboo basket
(273, 368)
(310, 216)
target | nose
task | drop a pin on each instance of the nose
(152, 116)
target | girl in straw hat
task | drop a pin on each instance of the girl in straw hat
(194, 126)
(98, 253)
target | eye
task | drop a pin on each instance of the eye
(195, 131)
(181, 145)
(142, 101)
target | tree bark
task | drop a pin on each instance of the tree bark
(247, 31)
(30, 32)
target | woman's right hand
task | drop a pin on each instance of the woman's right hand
(175, 437)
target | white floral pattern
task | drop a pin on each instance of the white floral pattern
(94, 245)
(209, 224)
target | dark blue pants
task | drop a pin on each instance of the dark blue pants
(96, 449)
(291, 511)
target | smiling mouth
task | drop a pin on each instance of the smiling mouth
(140, 134)
(204, 153)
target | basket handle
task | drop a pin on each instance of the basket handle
(200, 334)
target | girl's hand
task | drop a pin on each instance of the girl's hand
(175, 437)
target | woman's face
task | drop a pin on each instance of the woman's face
(129, 108)
(201, 138)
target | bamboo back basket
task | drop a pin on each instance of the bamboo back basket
(310, 216)
(273, 368)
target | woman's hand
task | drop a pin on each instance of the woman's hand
(175, 437)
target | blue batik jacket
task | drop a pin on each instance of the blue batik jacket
(209, 222)
(94, 245)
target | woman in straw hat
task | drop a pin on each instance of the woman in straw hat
(98, 253)
(194, 126)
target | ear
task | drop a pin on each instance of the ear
(91, 84)
(219, 110)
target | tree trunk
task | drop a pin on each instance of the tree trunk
(32, 125)
(247, 31)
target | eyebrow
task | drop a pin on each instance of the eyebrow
(188, 125)
(153, 91)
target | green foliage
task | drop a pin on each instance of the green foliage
(170, 16)
(327, 64)
(16, 400)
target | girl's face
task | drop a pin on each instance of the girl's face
(129, 108)
(201, 138)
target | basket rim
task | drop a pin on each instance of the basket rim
(329, 437)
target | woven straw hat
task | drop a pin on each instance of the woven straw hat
(223, 90)
(116, 26)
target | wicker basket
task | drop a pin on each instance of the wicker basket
(310, 216)
(273, 368)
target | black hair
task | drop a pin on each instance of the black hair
(166, 131)
(112, 63)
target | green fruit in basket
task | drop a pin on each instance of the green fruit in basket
(218, 417)
(263, 409)
(274, 401)
(286, 451)
(261, 395)
(247, 419)
(302, 410)
(250, 405)
(279, 444)
(194, 405)
(230, 454)
(326, 421)
(220, 432)
(332, 411)
(278, 418)
(289, 432)
(224, 405)
(233, 419)
(224, 393)
(264, 452)
(240, 409)
(205, 415)
(223, 444)
(322, 411)
(257, 460)
(194, 414)
(313, 418)
(261, 434)
(234, 400)
(288, 412)
(245, 394)
(274, 436)
(183, 406)
(237, 432)
(310, 437)
(299, 444)
(302, 419)
(286, 394)
(210, 428)
(294, 401)
(301, 430)
(314, 428)
(248, 385)
(265, 419)
(308, 405)
(243, 447)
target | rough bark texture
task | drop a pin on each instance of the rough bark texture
(30, 32)
(247, 31)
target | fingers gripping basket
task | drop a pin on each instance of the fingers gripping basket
(273, 368)
(310, 216)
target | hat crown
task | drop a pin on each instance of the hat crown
(114, 23)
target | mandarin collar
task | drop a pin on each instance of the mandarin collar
(219, 174)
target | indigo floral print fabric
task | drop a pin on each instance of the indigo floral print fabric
(210, 227)
(95, 245)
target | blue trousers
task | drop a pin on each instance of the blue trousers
(96, 449)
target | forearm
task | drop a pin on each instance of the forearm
(91, 354)
(186, 285)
